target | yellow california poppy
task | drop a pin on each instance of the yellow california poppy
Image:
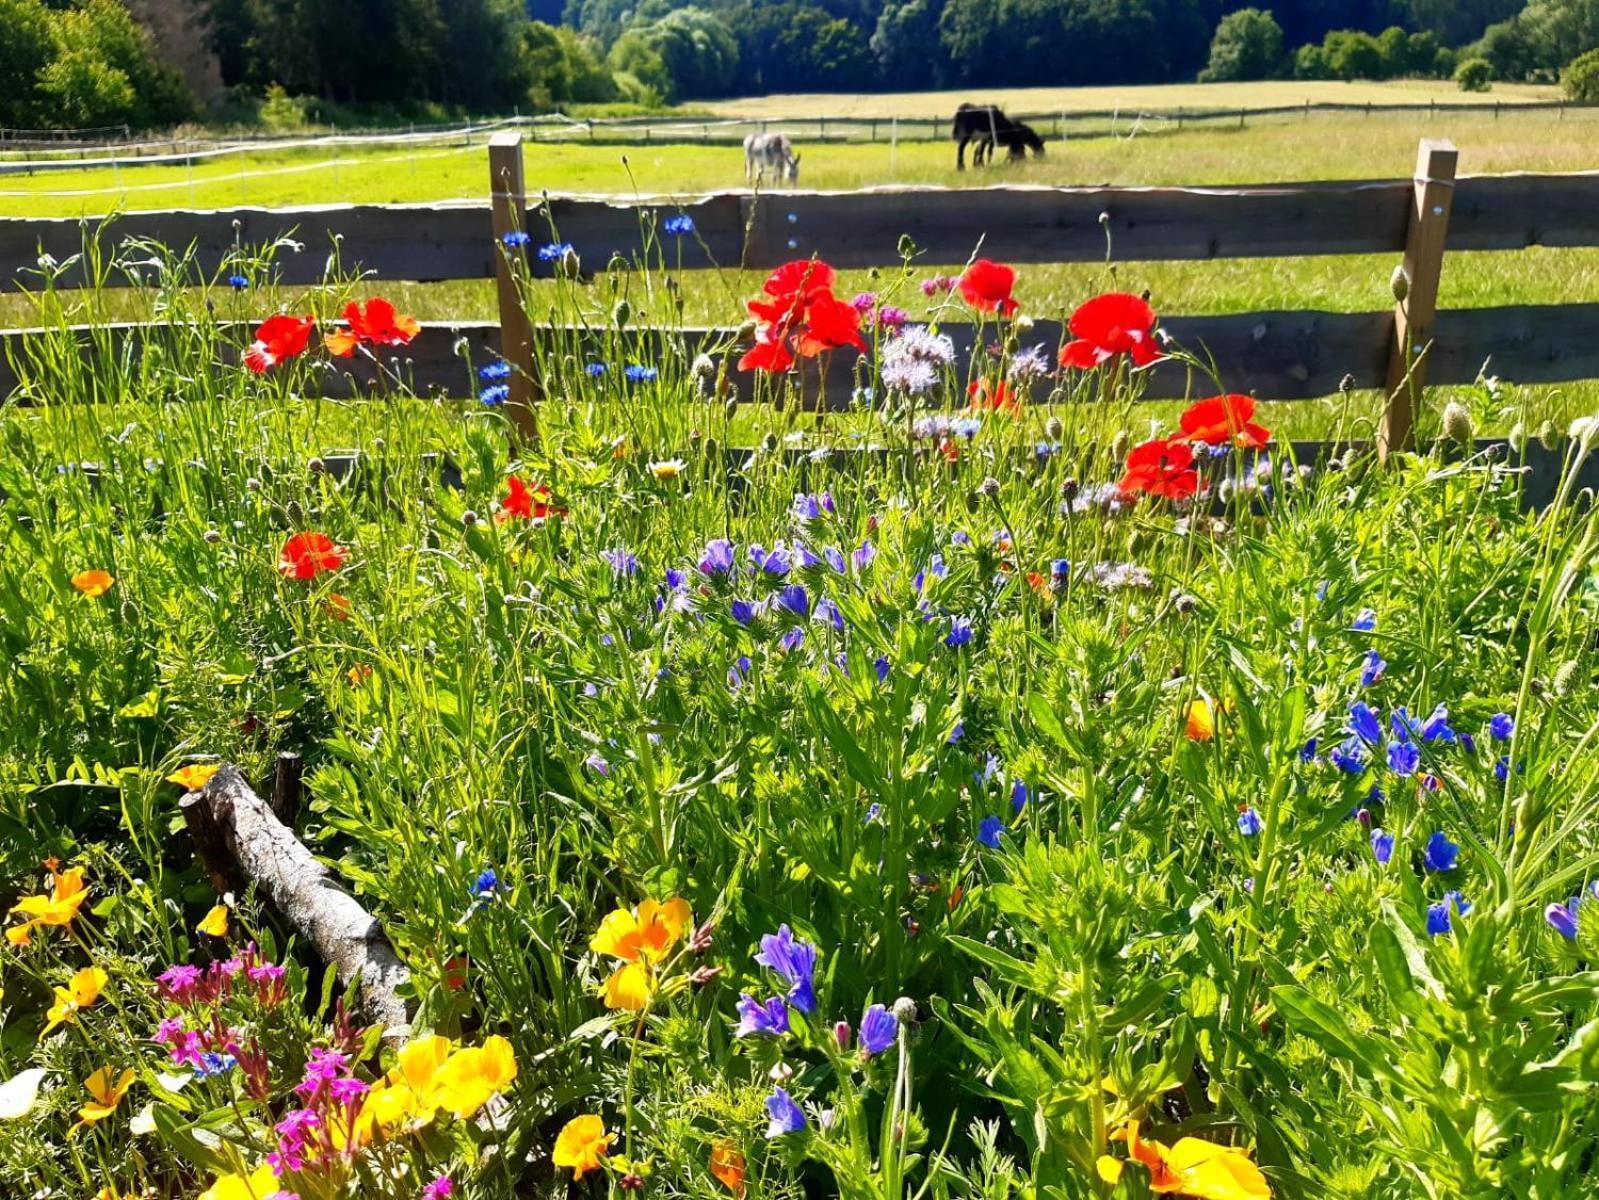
(647, 933)
(93, 584)
(1201, 723)
(82, 990)
(581, 1144)
(107, 1092)
(727, 1164)
(194, 776)
(215, 923)
(471, 1075)
(258, 1185)
(66, 896)
(1193, 1167)
(629, 987)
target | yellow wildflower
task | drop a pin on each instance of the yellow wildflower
(93, 584)
(107, 1092)
(58, 908)
(82, 990)
(581, 1144)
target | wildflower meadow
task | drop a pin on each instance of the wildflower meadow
(1000, 789)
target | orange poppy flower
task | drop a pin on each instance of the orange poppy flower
(531, 504)
(727, 1164)
(82, 990)
(646, 933)
(194, 776)
(106, 1092)
(1224, 421)
(1200, 723)
(375, 323)
(1192, 1167)
(58, 908)
(94, 584)
(999, 396)
(1108, 325)
(307, 555)
(581, 1144)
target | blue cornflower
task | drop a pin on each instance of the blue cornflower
(879, 1028)
(795, 599)
(212, 1063)
(596, 369)
(238, 282)
(519, 237)
(988, 831)
(1059, 569)
(956, 734)
(1363, 723)
(1436, 727)
(717, 558)
(768, 1017)
(623, 564)
(488, 881)
(1440, 854)
(680, 226)
(1249, 822)
(960, 538)
(495, 395)
(785, 1116)
(960, 632)
(744, 611)
(1501, 726)
(1019, 795)
(549, 252)
(1438, 915)
(874, 812)
(794, 962)
(1382, 845)
(1365, 620)
(640, 374)
(1372, 668)
(1563, 917)
(1502, 768)
(495, 371)
(1403, 758)
(1349, 756)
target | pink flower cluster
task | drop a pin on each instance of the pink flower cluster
(188, 985)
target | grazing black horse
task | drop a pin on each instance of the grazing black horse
(985, 125)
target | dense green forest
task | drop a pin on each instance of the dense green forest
(81, 63)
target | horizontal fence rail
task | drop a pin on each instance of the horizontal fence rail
(858, 229)
(1287, 355)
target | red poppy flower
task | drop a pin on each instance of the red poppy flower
(767, 354)
(307, 555)
(950, 449)
(1224, 421)
(830, 324)
(1161, 468)
(802, 276)
(375, 324)
(998, 396)
(531, 504)
(1108, 325)
(986, 285)
(278, 339)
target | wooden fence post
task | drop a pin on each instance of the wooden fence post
(508, 200)
(1417, 296)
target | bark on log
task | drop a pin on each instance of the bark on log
(230, 820)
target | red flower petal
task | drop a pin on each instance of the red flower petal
(307, 555)
(987, 285)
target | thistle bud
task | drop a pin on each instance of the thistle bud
(212, 536)
(1457, 425)
(1346, 384)
(1185, 603)
(252, 484)
(1068, 488)
(989, 487)
(1399, 284)
(316, 466)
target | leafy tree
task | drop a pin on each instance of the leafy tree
(797, 46)
(1474, 75)
(1248, 44)
(1542, 38)
(1580, 79)
(696, 52)
(1353, 54)
(564, 68)
(907, 47)
(25, 50)
(1455, 22)
(998, 42)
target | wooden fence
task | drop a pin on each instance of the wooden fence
(1276, 355)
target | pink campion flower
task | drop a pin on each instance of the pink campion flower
(321, 1069)
(269, 985)
(294, 1133)
(439, 1189)
(864, 302)
(180, 982)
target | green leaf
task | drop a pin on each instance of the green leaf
(1009, 968)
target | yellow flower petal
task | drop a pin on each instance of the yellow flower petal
(194, 776)
(629, 988)
(1110, 1169)
(581, 1144)
(215, 923)
(258, 1185)
(93, 584)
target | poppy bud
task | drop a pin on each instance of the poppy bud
(1582, 431)
(1119, 445)
(378, 444)
(570, 266)
(769, 443)
(1548, 438)
(1024, 325)
(469, 518)
(1457, 425)
(212, 536)
(989, 487)
(703, 366)
(746, 331)
(1565, 677)
(973, 500)
(1346, 384)
(252, 484)
(621, 314)
(316, 466)
(1399, 283)
(1054, 429)
(905, 1010)
(1518, 438)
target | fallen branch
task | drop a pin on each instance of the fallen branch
(241, 841)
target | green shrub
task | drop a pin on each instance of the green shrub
(1580, 79)
(1248, 45)
(1475, 75)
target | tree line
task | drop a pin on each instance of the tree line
(80, 63)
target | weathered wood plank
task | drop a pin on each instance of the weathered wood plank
(1039, 224)
(1512, 212)
(599, 228)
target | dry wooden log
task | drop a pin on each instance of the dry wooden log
(240, 839)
